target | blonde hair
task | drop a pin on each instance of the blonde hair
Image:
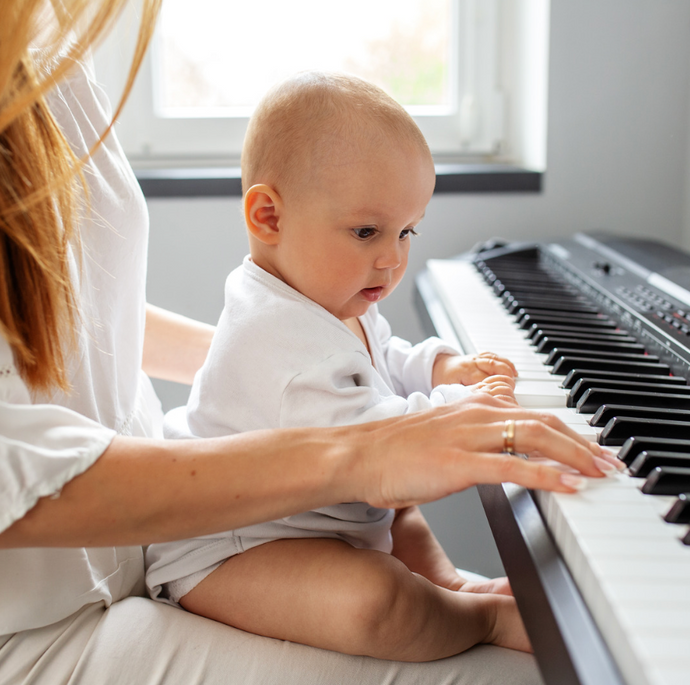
(301, 122)
(41, 181)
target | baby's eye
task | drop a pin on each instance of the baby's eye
(407, 232)
(364, 232)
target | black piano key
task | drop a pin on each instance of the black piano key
(516, 274)
(575, 317)
(608, 411)
(536, 329)
(518, 291)
(535, 288)
(582, 385)
(686, 538)
(529, 320)
(566, 364)
(554, 304)
(607, 336)
(633, 446)
(620, 428)
(667, 480)
(646, 462)
(524, 288)
(594, 398)
(558, 352)
(548, 343)
(680, 510)
(576, 374)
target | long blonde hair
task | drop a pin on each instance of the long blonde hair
(41, 182)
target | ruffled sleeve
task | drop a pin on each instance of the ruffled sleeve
(42, 446)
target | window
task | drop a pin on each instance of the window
(211, 60)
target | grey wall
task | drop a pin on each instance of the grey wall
(618, 153)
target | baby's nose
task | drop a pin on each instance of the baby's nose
(391, 257)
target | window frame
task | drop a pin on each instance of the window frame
(466, 134)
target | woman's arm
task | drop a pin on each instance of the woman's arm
(141, 491)
(175, 347)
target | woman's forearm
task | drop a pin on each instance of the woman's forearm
(175, 346)
(142, 491)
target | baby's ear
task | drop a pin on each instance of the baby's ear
(262, 208)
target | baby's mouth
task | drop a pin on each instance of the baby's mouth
(372, 294)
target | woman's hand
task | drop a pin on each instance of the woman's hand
(470, 368)
(428, 455)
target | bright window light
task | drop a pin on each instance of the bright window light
(217, 58)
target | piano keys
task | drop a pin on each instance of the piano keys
(603, 342)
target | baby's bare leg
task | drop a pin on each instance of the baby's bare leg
(327, 594)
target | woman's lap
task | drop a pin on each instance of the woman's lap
(140, 641)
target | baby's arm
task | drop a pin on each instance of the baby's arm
(345, 389)
(432, 363)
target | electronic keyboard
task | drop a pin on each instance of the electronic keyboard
(599, 330)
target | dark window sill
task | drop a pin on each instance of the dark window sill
(450, 178)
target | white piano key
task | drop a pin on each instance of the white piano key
(630, 566)
(669, 675)
(568, 416)
(538, 393)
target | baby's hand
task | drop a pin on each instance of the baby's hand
(470, 368)
(500, 387)
(496, 586)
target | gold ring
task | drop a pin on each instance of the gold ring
(509, 436)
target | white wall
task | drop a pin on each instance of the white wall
(618, 158)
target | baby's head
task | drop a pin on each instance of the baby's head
(336, 175)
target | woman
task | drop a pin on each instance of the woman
(84, 479)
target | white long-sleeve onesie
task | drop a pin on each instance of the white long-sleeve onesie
(280, 360)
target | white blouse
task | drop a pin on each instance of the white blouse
(46, 441)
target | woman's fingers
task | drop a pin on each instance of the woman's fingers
(533, 433)
(506, 468)
(427, 455)
(557, 443)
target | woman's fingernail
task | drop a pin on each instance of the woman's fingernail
(570, 480)
(613, 459)
(605, 466)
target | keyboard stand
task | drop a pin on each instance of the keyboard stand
(567, 644)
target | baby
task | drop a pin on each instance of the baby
(336, 177)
